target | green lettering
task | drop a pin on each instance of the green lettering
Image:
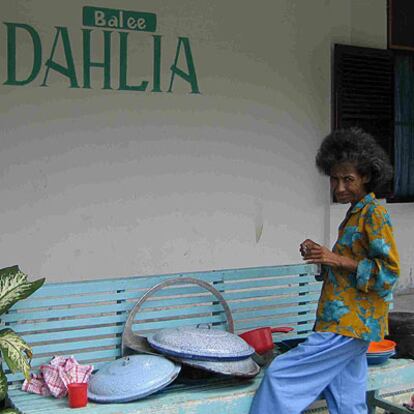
(113, 22)
(87, 63)
(69, 70)
(123, 63)
(99, 18)
(189, 77)
(157, 64)
(11, 53)
(141, 23)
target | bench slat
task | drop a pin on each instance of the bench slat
(76, 346)
(137, 283)
(263, 300)
(36, 337)
(161, 301)
(269, 291)
(173, 313)
(301, 269)
(248, 325)
(270, 281)
(69, 323)
(174, 323)
(68, 312)
(112, 297)
(251, 312)
(278, 320)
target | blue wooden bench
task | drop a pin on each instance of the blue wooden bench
(86, 319)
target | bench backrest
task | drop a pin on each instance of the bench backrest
(86, 318)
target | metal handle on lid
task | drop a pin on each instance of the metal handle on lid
(130, 340)
(203, 326)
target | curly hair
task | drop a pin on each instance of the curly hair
(359, 148)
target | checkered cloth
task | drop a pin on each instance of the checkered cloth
(36, 385)
(55, 377)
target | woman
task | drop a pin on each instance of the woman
(359, 274)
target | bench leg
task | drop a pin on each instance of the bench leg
(371, 398)
(374, 400)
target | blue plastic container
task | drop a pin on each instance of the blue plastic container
(378, 359)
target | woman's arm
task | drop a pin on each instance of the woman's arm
(315, 253)
(380, 270)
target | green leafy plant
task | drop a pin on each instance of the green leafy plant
(15, 352)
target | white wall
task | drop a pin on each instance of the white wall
(100, 183)
(369, 23)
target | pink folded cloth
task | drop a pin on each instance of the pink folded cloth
(36, 385)
(55, 377)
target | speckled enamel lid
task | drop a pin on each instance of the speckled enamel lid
(200, 343)
(131, 378)
(245, 368)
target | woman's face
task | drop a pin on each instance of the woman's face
(347, 184)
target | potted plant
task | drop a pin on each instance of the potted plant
(15, 352)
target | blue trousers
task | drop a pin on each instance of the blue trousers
(326, 363)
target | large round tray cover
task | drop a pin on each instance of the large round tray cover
(131, 378)
(200, 343)
(245, 368)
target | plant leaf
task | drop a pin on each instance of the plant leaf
(16, 352)
(3, 384)
(14, 286)
(9, 411)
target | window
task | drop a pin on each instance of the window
(363, 95)
(401, 40)
(404, 127)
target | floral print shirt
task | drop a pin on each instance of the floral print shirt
(356, 303)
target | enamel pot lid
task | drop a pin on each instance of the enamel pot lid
(245, 368)
(131, 378)
(133, 342)
(202, 343)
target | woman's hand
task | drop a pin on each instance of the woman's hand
(306, 246)
(314, 253)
